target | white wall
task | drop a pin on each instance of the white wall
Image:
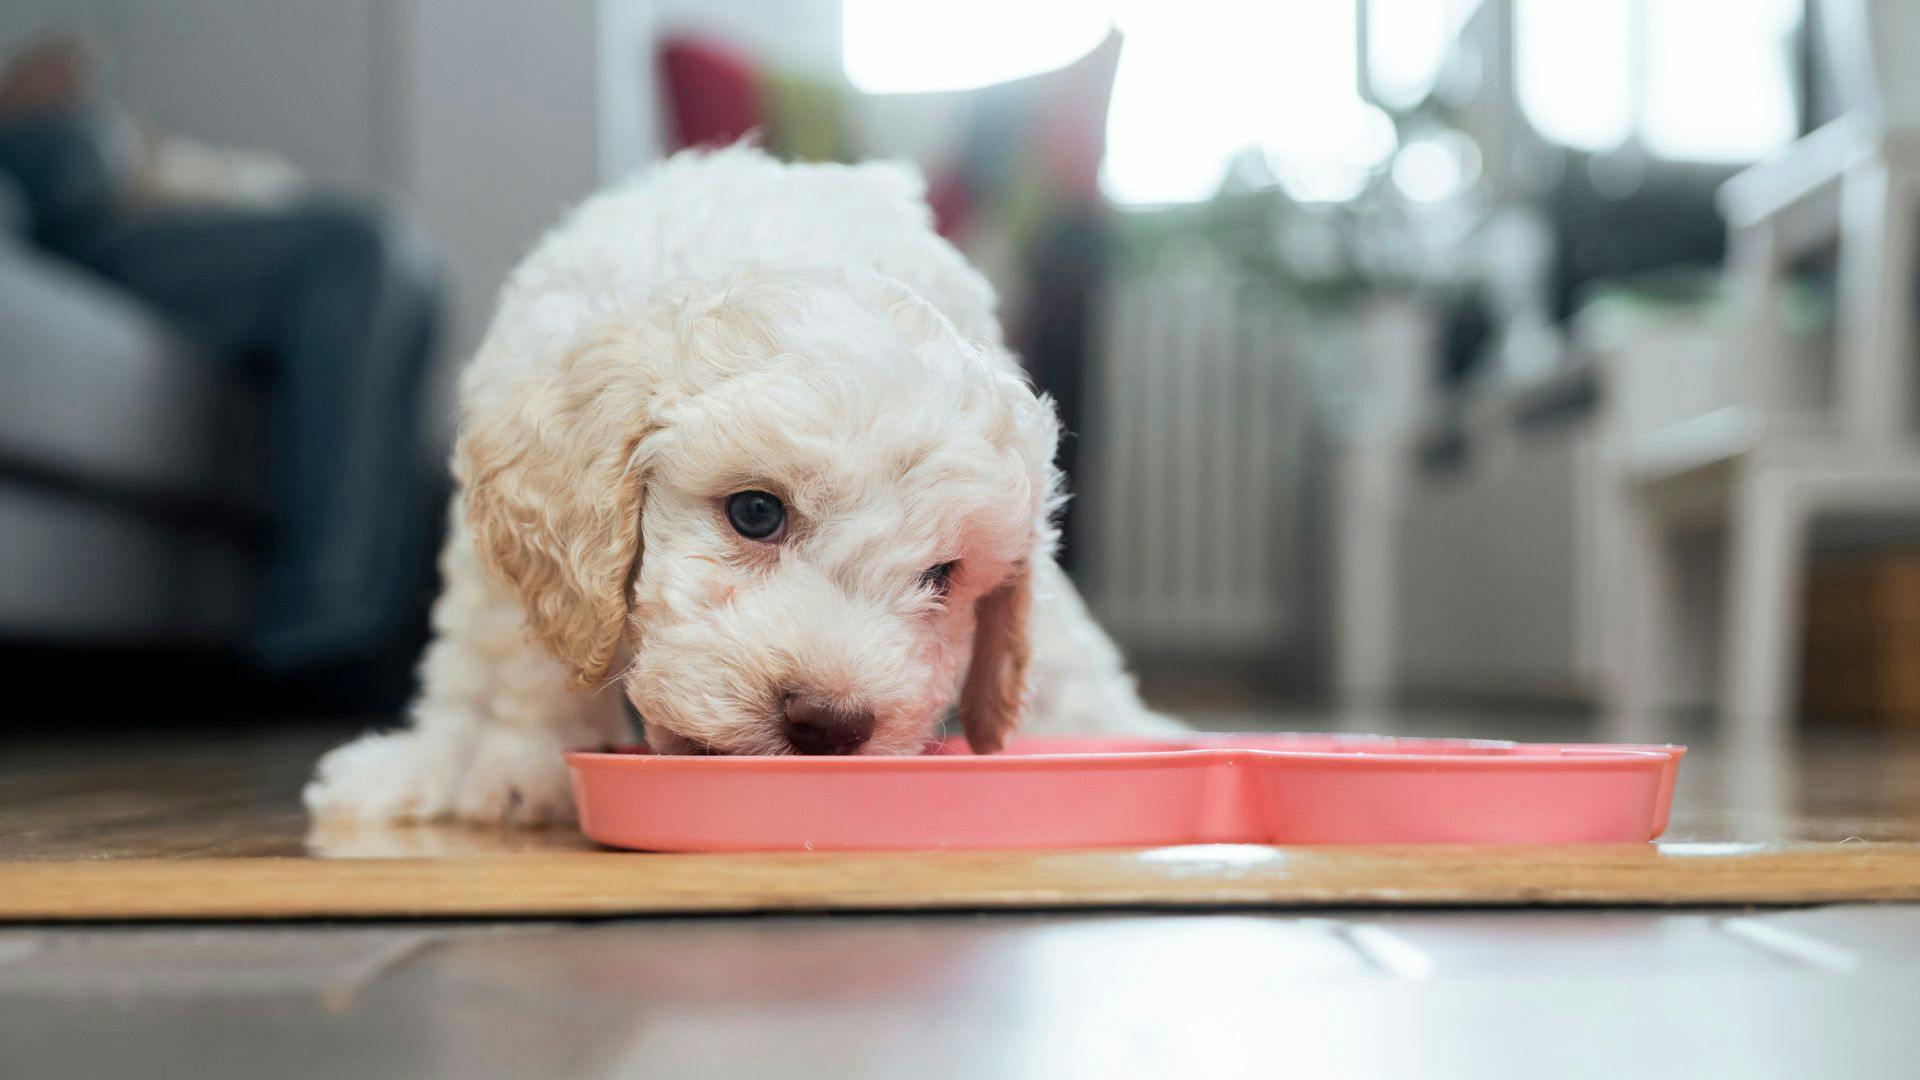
(492, 132)
(294, 77)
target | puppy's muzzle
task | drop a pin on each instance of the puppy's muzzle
(815, 726)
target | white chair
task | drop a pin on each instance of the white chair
(1760, 469)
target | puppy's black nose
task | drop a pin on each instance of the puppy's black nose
(814, 726)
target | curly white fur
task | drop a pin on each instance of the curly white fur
(731, 323)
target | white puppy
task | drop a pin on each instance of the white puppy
(743, 441)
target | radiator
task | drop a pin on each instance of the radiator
(1193, 474)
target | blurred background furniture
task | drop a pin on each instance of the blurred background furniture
(1611, 497)
(1531, 217)
(137, 523)
(1862, 633)
(1413, 354)
(1782, 454)
(132, 495)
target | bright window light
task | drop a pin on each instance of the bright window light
(1739, 106)
(1200, 82)
(1432, 169)
(1407, 42)
(915, 46)
(1204, 80)
(1716, 75)
(1574, 60)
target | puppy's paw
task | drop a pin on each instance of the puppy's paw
(396, 777)
(498, 776)
(515, 778)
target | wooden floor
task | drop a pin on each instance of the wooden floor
(1396, 969)
(1792, 994)
(173, 828)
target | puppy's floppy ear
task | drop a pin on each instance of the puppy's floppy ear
(551, 470)
(994, 697)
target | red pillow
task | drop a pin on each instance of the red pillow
(714, 92)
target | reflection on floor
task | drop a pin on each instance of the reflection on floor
(1824, 992)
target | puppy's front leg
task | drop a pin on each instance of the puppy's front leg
(486, 734)
(1080, 683)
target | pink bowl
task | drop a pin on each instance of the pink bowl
(1069, 792)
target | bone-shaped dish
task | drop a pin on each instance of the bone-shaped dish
(1077, 792)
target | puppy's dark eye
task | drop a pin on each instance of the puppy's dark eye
(938, 578)
(755, 515)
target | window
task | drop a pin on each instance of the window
(913, 46)
(1703, 80)
(1407, 43)
(1200, 82)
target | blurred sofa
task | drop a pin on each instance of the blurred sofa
(133, 470)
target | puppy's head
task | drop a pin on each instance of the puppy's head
(789, 512)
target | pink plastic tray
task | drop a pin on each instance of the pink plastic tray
(1065, 792)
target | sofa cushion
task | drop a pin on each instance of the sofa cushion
(83, 570)
(101, 395)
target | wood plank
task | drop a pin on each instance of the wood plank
(602, 884)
